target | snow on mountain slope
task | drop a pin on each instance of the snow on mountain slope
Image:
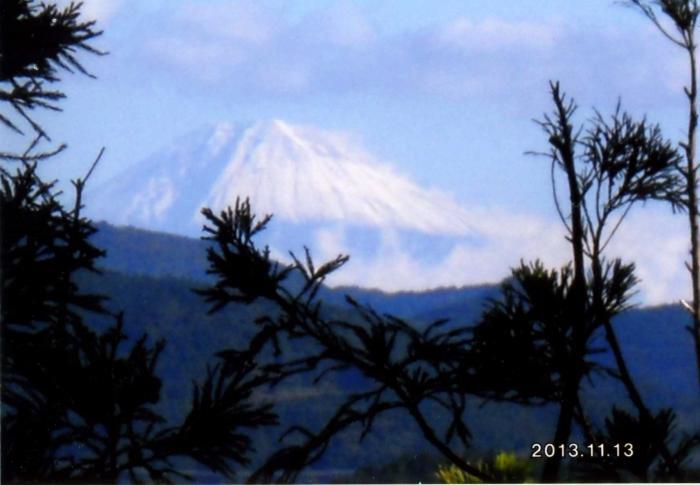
(327, 193)
(163, 191)
(296, 173)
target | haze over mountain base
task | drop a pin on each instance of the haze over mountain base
(327, 193)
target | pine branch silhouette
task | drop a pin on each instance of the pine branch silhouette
(406, 369)
(543, 326)
(79, 404)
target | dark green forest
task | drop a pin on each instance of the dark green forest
(132, 356)
(161, 300)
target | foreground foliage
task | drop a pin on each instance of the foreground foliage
(78, 402)
(505, 467)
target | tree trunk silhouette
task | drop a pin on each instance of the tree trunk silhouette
(564, 143)
(692, 195)
(684, 14)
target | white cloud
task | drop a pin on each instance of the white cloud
(100, 10)
(657, 242)
(344, 25)
(653, 239)
(493, 34)
(261, 50)
(241, 21)
(283, 77)
(339, 48)
(199, 59)
(330, 242)
(503, 239)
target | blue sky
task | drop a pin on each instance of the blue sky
(446, 91)
(443, 91)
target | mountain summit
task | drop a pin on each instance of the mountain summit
(299, 174)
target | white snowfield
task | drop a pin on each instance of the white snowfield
(296, 173)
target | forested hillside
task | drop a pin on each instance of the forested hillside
(158, 299)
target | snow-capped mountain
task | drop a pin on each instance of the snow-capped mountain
(299, 174)
(329, 194)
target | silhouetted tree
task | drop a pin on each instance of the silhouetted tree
(650, 438)
(532, 346)
(36, 40)
(683, 16)
(78, 403)
(546, 321)
(405, 368)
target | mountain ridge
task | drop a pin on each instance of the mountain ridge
(163, 305)
(298, 173)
